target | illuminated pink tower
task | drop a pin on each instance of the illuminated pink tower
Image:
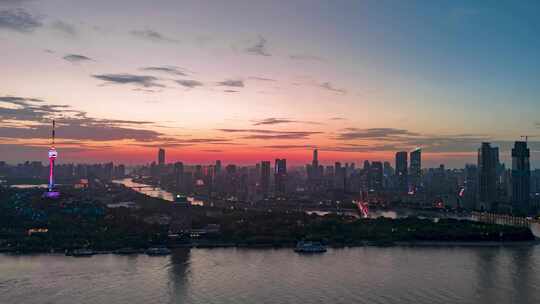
(52, 157)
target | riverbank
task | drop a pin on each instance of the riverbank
(217, 245)
(82, 220)
(376, 244)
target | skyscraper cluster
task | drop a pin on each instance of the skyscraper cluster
(486, 186)
(500, 189)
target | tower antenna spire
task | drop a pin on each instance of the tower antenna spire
(51, 193)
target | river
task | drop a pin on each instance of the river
(154, 191)
(231, 275)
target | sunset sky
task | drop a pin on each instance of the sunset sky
(245, 81)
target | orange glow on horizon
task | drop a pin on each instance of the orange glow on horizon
(248, 156)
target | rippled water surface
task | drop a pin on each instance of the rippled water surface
(359, 275)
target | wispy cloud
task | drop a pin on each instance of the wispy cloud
(146, 90)
(32, 117)
(378, 133)
(203, 140)
(259, 48)
(392, 139)
(429, 144)
(151, 35)
(189, 83)
(364, 148)
(231, 83)
(76, 58)
(276, 121)
(19, 20)
(14, 2)
(270, 134)
(306, 57)
(330, 87)
(290, 147)
(138, 80)
(287, 135)
(273, 121)
(34, 151)
(183, 142)
(19, 100)
(261, 131)
(169, 69)
(80, 132)
(261, 78)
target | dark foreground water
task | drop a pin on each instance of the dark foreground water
(359, 275)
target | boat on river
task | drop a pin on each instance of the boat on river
(81, 252)
(309, 247)
(155, 251)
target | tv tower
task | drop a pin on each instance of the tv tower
(52, 157)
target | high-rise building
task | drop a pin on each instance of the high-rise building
(388, 170)
(265, 178)
(315, 173)
(439, 181)
(280, 176)
(401, 171)
(535, 181)
(339, 176)
(521, 178)
(178, 175)
(218, 167)
(388, 173)
(108, 171)
(488, 159)
(470, 193)
(199, 174)
(366, 165)
(376, 175)
(161, 157)
(367, 175)
(319, 169)
(416, 168)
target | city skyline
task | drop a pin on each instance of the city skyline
(256, 151)
(356, 80)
